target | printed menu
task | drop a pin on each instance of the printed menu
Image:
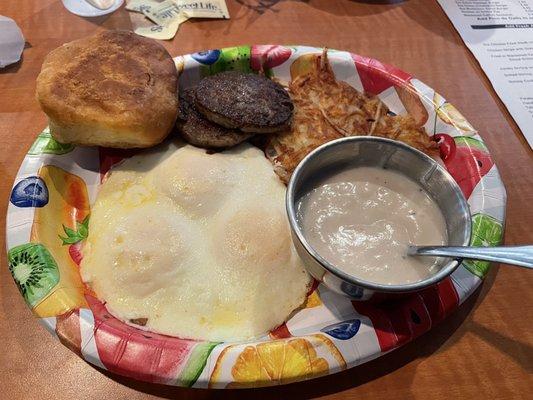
(500, 35)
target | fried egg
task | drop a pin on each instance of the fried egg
(197, 245)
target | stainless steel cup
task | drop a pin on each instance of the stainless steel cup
(382, 153)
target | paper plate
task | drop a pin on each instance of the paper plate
(47, 222)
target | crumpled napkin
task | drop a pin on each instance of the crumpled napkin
(11, 41)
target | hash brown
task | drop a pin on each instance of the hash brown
(327, 109)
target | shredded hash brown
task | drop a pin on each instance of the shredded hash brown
(327, 109)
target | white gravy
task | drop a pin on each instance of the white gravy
(362, 219)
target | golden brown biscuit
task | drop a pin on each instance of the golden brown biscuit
(114, 89)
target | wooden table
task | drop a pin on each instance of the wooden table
(485, 350)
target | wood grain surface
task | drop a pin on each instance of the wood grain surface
(485, 350)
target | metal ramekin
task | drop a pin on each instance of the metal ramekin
(384, 153)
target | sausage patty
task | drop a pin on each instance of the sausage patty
(248, 102)
(198, 130)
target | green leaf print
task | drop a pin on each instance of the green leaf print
(46, 144)
(486, 231)
(230, 59)
(196, 363)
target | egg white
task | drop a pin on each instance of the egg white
(197, 243)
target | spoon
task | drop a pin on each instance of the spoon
(515, 255)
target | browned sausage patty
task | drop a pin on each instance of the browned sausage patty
(249, 102)
(199, 131)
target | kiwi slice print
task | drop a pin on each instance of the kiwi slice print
(34, 270)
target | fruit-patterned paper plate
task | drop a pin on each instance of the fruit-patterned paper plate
(47, 223)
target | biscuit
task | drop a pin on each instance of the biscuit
(114, 89)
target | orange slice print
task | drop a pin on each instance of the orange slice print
(276, 362)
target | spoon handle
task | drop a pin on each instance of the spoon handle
(515, 255)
